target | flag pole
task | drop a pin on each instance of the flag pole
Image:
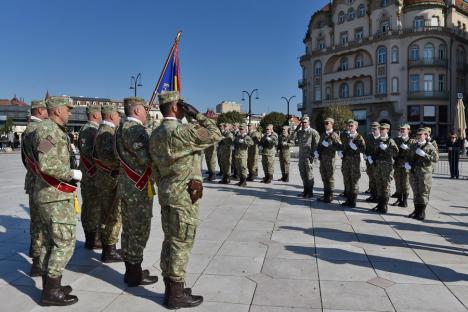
(174, 45)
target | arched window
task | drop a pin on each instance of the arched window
(382, 55)
(461, 56)
(395, 85)
(428, 51)
(384, 25)
(344, 63)
(317, 68)
(383, 3)
(359, 61)
(328, 93)
(414, 52)
(359, 88)
(395, 54)
(442, 52)
(344, 90)
(351, 14)
(341, 17)
(361, 10)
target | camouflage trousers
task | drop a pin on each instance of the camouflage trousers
(370, 170)
(383, 178)
(401, 179)
(177, 245)
(285, 161)
(136, 223)
(111, 221)
(90, 207)
(233, 163)
(58, 228)
(210, 158)
(252, 162)
(306, 171)
(225, 161)
(35, 228)
(268, 162)
(241, 166)
(327, 171)
(421, 185)
(351, 170)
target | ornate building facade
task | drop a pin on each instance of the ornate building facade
(388, 60)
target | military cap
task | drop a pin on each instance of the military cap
(352, 121)
(108, 108)
(286, 127)
(236, 124)
(93, 108)
(429, 130)
(405, 126)
(243, 126)
(222, 124)
(134, 101)
(57, 101)
(330, 120)
(384, 125)
(423, 131)
(227, 124)
(168, 97)
(269, 126)
(375, 124)
(305, 119)
(37, 104)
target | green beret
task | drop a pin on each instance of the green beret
(93, 108)
(423, 131)
(57, 101)
(305, 119)
(134, 101)
(168, 97)
(352, 121)
(375, 124)
(236, 124)
(108, 108)
(37, 104)
(405, 126)
(428, 129)
(330, 120)
(384, 125)
(243, 126)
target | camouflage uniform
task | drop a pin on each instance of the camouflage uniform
(370, 167)
(225, 150)
(252, 160)
(328, 145)
(308, 141)
(284, 153)
(400, 173)
(268, 144)
(210, 157)
(351, 165)
(241, 145)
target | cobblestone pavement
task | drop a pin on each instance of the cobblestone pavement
(263, 249)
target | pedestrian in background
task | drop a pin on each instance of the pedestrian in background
(454, 147)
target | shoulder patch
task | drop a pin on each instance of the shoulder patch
(44, 146)
(203, 133)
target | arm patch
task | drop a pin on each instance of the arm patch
(45, 146)
(203, 133)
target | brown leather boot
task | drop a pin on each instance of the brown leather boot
(135, 276)
(66, 289)
(179, 298)
(110, 254)
(188, 290)
(36, 269)
(53, 295)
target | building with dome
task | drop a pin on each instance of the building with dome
(388, 60)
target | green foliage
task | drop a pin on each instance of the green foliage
(231, 117)
(340, 113)
(278, 120)
(7, 126)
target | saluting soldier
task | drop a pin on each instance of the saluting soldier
(235, 133)
(285, 142)
(175, 151)
(308, 139)
(326, 152)
(252, 161)
(225, 151)
(53, 194)
(90, 208)
(38, 114)
(241, 144)
(353, 145)
(421, 159)
(268, 143)
(134, 190)
(403, 141)
(371, 146)
(107, 175)
(384, 158)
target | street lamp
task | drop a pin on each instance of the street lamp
(135, 82)
(249, 94)
(287, 101)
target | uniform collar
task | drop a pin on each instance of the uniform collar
(138, 121)
(34, 118)
(107, 123)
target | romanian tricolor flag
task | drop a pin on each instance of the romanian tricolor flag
(170, 75)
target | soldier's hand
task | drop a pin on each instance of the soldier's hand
(383, 146)
(404, 146)
(407, 166)
(420, 152)
(189, 109)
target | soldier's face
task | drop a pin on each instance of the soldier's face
(328, 125)
(269, 131)
(285, 131)
(404, 132)
(352, 128)
(376, 131)
(383, 131)
(63, 113)
(422, 137)
(306, 124)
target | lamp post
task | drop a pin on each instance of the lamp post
(135, 82)
(249, 94)
(287, 102)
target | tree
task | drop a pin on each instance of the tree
(231, 117)
(7, 126)
(340, 113)
(278, 120)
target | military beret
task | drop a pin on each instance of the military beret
(93, 108)
(286, 127)
(305, 119)
(108, 108)
(269, 126)
(236, 124)
(429, 130)
(423, 131)
(227, 124)
(57, 101)
(405, 126)
(37, 104)
(352, 121)
(384, 125)
(168, 97)
(134, 101)
(243, 126)
(375, 124)
(330, 120)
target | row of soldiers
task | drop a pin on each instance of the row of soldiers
(119, 162)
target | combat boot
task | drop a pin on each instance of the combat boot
(348, 198)
(178, 297)
(110, 254)
(242, 182)
(66, 289)
(92, 241)
(211, 176)
(53, 295)
(268, 179)
(421, 215)
(395, 195)
(166, 280)
(286, 178)
(250, 178)
(398, 201)
(415, 211)
(135, 276)
(352, 201)
(36, 269)
(304, 192)
(310, 190)
(379, 205)
(404, 201)
(384, 206)
(225, 180)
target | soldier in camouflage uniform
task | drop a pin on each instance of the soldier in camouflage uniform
(210, 157)
(308, 139)
(384, 154)
(131, 142)
(235, 133)
(353, 145)
(38, 114)
(403, 141)
(252, 160)
(221, 129)
(285, 142)
(175, 151)
(369, 157)
(268, 143)
(326, 152)
(90, 209)
(53, 195)
(225, 150)
(107, 174)
(242, 142)
(421, 158)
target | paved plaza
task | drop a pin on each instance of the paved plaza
(263, 249)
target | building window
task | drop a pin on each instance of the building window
(414, 113)
(318, 68)
(428, 85)
(443, 113)
(428, 51)
(395, 55)
(382, 55)
(320, 24)
(460, 55)
(359, 88)
(442, 52)
(383, 3)
(328, 93)
(344, 37)
(441, 83)
(358, 34)
(382, 86)
(78, 102)
(384, 26)
(361, 10)
(344, 90)
(320, 44)
(359, 61)
(419, 23)
(341, 17)
(344, 63)
(317, 94)
(429, 113)
(395, 86)
(414, 53)
(435, 21)
(351, 14)
(414, 83)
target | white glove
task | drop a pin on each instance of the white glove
(420, 152)
(77, 175)
(285, 143)
(241, 140)
(407, 166)
(382, 146)
(268, 139)
(325, 143)
(352, 145)
(316, 154)
(403, 146)
(370, 160)
(340, 154)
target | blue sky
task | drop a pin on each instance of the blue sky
(92, 47)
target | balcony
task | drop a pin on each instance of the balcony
(350, 73)
(422, 95)
(302, 83)
(428, 61)
(349, 101)
(300, 107)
